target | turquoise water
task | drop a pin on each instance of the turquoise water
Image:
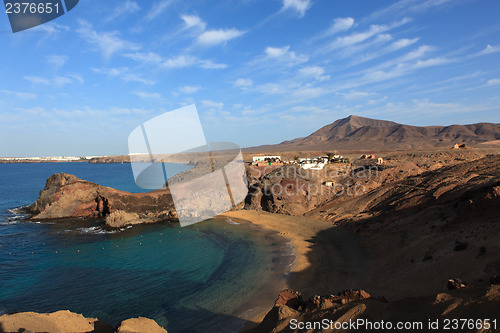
(202, 278)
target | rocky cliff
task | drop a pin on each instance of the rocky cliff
(67, 196)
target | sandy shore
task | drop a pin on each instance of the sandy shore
(327, 259)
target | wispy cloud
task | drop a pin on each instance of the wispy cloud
(284, 55)
(300, 6)
(149, 57)
(147, 95)
(489, 50)
(189, 89)
(242, 83)
(124, 8)
(19, 94)
(406, 7)
(107, 43)
(57, 61)
(340, 24)
(56, 81)
(191, 21)
(157, 9)
(219, 36)
(177, 62)
(212, 104)
(184, 61)
(359, 37)
(493, 82)
(124, 74)
(356, 94)
(316, 72)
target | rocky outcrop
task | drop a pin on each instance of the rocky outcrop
(67, 196)
(68, 322)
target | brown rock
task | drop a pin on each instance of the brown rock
(290, 298)
(140, 325)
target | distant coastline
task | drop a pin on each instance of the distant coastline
(62, 159)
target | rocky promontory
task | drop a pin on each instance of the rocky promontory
(67, 196)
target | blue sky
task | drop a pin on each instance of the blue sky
(259, 71)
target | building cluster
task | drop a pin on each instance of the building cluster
(315, 163)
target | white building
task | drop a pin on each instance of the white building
(263, 158)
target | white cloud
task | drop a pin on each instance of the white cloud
(107, 43)
(243, 83)
(149, 57)
(404, 7)
(184, 61)
(189, 89)
(315, 72)
(394, 46)
(300, 6)
(57, 81)
(308, 93)
(289, 58)
(272, 88)
(180, 62)
(76, 77)
(431, 62)
(402, 43)
(209, 64)
(356, 94)
(212, 104)
(493, 82)
(489, 50)
(340, 24)
(125, 7)
(51, 28)
(191, 21)
(275, 52)
(124, 74)
(18, 94)
(146, 95)
(57, 60)
(157, 9)
(358, 37)
(220, 36)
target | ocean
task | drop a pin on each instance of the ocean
(206, 277)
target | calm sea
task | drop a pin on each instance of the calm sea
(202, 278)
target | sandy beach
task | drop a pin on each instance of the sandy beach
(318, 249)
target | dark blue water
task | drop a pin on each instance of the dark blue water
(202, 278)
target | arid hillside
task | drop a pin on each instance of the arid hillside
(359, 133)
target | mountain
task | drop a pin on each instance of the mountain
(359, 133)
